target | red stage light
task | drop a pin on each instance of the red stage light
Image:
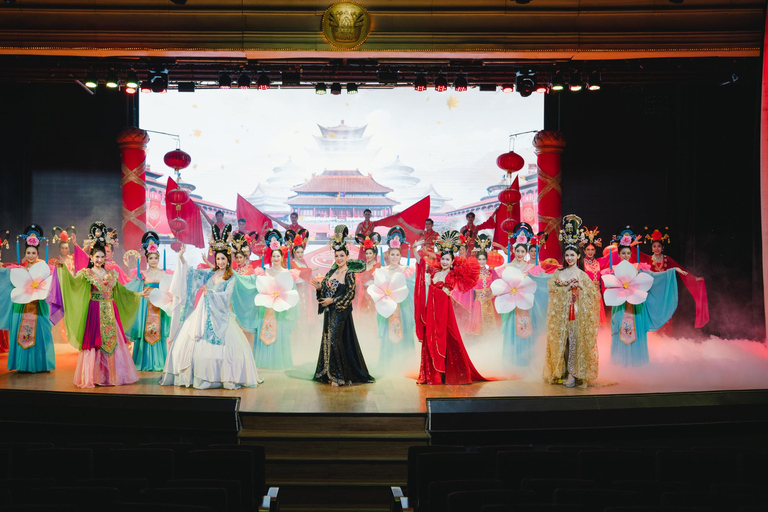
(441, 84)
(130, 90)
(507, 88)
(541, 88)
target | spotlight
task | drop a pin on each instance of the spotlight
(244, 82)
(112, 80)
(91, 81)
(351, 88)
(10, 2)
(146, 86)
(132, 80)
(542, 88)
(507, 88)
(225, 81)
(263, 82)
(575, 84)
(460, 83)
(420, 84)
(320, 89)
(558, 83)
(160, 83)
(186, 86)
(594, 81)
(441, 84)
(487, 87)
(525, 83)
(335, 88)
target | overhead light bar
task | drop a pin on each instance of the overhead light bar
(132, 80)
(91, 81)
(186, 86)
(112, 80)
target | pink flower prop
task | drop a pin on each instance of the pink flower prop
(160, 297)
(521, 239)
(626, 285)
(387, 291)
(626, 240)
(276, 293)
(395, 243)
(274, 245)
(31, 285)
(33, 240)
(513, 290)
(152, 248)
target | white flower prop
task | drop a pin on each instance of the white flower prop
(276, 293)
(160, 297)
(31, 285)
(387, 291)
(626, 285)
(513, 291)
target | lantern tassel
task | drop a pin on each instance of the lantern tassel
(408, 263)
(18, 254)
(509, 251)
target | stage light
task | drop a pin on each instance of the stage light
(594, 83)
(507, 88)
(525, 83)
(112, 80)
(487, 87)
(263, 83)
(420, 84)
(558, 83)
(91, 81)
(225, 81)
(186, 86)
(132, 80)
(320, 89)
(460, 83)
(160, 83)
(335, 88)
(244, 82)
(351, 88)
(146, 86)
(575, 84)
(10, 2)
(441, 84)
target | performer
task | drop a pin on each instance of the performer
(209, 350)
(28, 321)
(469, 230)
(241, 250)
(483, 318)
(241, 226)
(109, 263)
(396, 332)
(572, 315)
(630, 323)
(307, 327)
(369, 244)
(594, 266)
(219, 220)
(428, 235)
(293, 226)
(365, 228)
(340, 361)
(444, 360)
(65, 238)
(4, 334)
(95, 307)
(149, 333)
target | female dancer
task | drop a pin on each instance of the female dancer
(340, 361)
(396, 345)
(210, 349)
(241, 250)
(5, 336)
(483, 318)
(95, 307)
(150, 331)
(572, 317)
(307, 329)
(110, 264)
(369, 244)
(65, 239)
(594, 266)
(630, 323)
(444, 360)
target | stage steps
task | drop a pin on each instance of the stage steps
(325, 462)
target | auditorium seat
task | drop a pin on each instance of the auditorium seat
(224, 465)
(97, 447)
(603, 465)
(211, 497)
(725, 502)
(155, 465)
(512, 467)
(595, 500)
(19, 453)
(40, 508)
(413, 467)
(6, 462)
(655, 509)
(156, 507)
(434, 467)
(439, 491)
(231, 486)
(750, 468)
(180, 450)
(473, 501)
(259, 464)
(85, 499)
(700, 467)
(63, 464)
(650, 491)
(545, 488)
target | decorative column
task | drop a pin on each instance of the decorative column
(764, 178)
(549, 146)
(133, 153)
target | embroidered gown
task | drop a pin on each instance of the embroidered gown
(209, 350)
(396, 333)
(521, 328)
(593, 267)
(340, 359)
(483, 318)
(572, 321)
(443, 356)
(30, 347)
(149, 332)
(95, 308)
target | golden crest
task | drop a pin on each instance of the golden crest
(346, 25)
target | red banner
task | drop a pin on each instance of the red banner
(415, 216)
(254, 219)
(190, 212)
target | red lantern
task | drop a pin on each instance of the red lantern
(510, 162)
(177, 159)
(509, 196)
(177, 196)
(508, 225)
(177, 225)
(495, 259)
(176, 246)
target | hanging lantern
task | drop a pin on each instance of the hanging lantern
(177, 225)
(177, 197)
(508, 226)
(176, 246)
(177, 159)
(495, 259)
(509, 196)
(510, 162)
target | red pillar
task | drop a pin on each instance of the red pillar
(133, 153)
(549, 146)
(764, 176)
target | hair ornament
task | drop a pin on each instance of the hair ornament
(571, 233)
(657, 236)
(221, 240)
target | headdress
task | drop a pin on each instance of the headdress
(522, 234)
(59, 234)
(448, 241)
(591, 236)
(338, 241)
(625, 237)
(482, 243)
(97, 235)
(295, 239)
(657, 236)
(150, 242)
(239, 240)
(32, 236)
(571, 233)
(4, 236)
(396, 238)
(220, 240)
(371, 241)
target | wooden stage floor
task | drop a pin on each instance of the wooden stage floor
(281, 393)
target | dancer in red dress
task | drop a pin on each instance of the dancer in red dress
(444, 360)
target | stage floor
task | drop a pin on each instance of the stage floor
(687, 366)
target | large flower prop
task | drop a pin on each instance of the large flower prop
(387, 291)
(31, 285)
(626, 285)
(513, 290)
(276, 293)
(160, 297)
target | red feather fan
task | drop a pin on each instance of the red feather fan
(464, 274)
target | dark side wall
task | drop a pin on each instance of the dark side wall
(682, 156)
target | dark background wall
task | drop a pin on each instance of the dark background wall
(682, 156)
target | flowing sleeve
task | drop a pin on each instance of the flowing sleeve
(218, 303)
(184, 286)
(249, 316)
(127, 302)
(6, 305)
(135, 285)
(342, 302)
(662, 298)
(289, 317)
(698, 290)
(75, 295)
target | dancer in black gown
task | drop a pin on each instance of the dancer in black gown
(340, 362)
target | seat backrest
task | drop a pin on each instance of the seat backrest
(413, 467)
(448, 466)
